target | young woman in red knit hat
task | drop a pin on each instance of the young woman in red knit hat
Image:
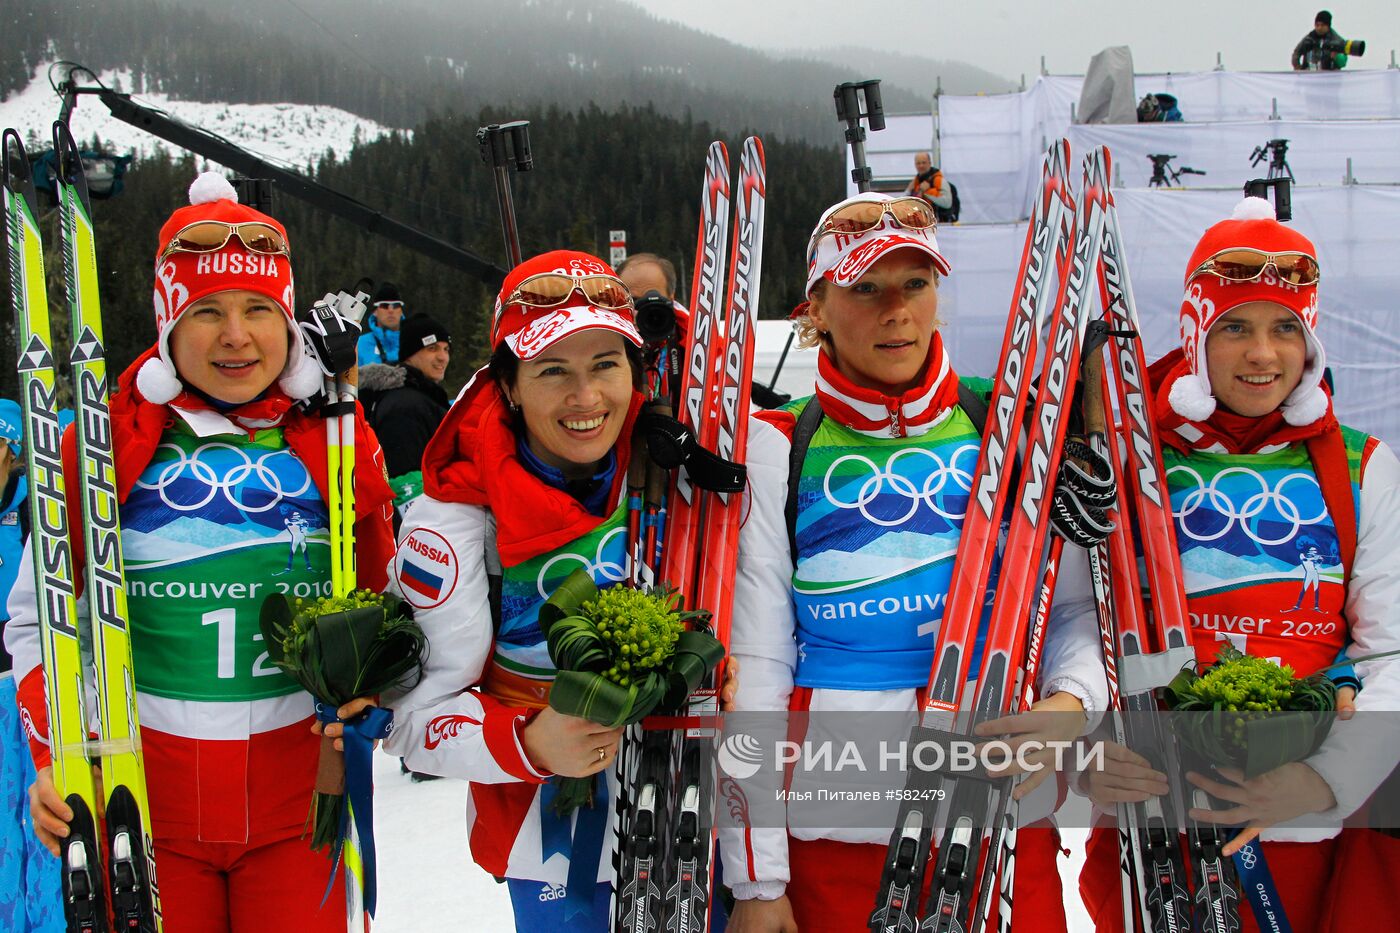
(213, 455)
(1288, 525)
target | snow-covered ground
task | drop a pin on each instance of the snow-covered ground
(289, 134)
(428, 882)
(427, 879)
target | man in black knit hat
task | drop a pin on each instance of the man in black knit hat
(405, 401)
(380, 341)
(1323, 48)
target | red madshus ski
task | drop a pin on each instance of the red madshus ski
(896, 902)
(1142, 669)
(1152, 873)
(973, 801)
(685, 530)
(689, 871)
(648, 760)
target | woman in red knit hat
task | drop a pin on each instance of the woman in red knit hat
(214, 456)
(1287, 525)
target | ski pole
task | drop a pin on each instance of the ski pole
(502, 144)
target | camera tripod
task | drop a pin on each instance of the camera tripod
(1162, 169)
(1277, 151)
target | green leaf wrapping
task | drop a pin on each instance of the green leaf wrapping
(659, 671)
(696, 654)
(340, 655)
(337, 656)
(1250, 713)
(1253, 742)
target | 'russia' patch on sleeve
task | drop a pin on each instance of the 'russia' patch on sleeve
(426, 568)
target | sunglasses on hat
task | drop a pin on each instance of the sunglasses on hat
(1246, 264)
(913, 213)
(862, 216)
(551, 289)
(210, 236)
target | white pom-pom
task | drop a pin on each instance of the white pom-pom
(1305, 406)
(1254, 209)
(157, 382)
(302, 378)
(1190, 399)
(210, 187)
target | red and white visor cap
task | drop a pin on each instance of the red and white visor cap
(529, 330)
(842, 258)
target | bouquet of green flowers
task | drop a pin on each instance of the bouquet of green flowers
(340, 648)
(621, 653)
(1253, 714)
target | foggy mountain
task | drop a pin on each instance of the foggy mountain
(911, 72)
(400, 62)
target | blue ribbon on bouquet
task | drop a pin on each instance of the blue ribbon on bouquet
(1257, 887)
(361, 733)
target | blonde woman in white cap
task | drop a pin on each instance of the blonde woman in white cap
(881, 494)
(211, 452)
(1288, 525)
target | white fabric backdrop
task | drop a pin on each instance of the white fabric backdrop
(1359, 292)
(991, 145)
(1217, 96)
(1317, 150)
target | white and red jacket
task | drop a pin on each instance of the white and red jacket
(464, 718)
(765, 637)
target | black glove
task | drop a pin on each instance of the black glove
(332, 329)
(1084, 489)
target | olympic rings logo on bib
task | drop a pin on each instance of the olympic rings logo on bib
(216, 478)
(603, 569)
(957, 470)
(1249, 513)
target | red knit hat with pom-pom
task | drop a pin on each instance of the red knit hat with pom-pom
(1208, 298)
(184, 278)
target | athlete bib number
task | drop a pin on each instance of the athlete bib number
(198, 638)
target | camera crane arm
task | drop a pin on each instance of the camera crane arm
(211, 146)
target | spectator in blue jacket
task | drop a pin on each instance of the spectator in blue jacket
(29, 885)
(380, 341)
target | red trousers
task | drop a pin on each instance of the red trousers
(833, 883)
(272, 882)
(1333, 885)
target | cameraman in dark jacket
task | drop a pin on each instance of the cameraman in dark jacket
(651, 281)
(1323, 49)
(405, 401)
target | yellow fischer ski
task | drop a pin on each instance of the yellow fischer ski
(85, 903)
(131, 868)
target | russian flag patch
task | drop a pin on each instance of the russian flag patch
(420, 580)
(426, 568)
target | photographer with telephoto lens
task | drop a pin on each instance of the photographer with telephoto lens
(1323, 49)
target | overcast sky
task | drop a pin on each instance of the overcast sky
(1008, 37)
